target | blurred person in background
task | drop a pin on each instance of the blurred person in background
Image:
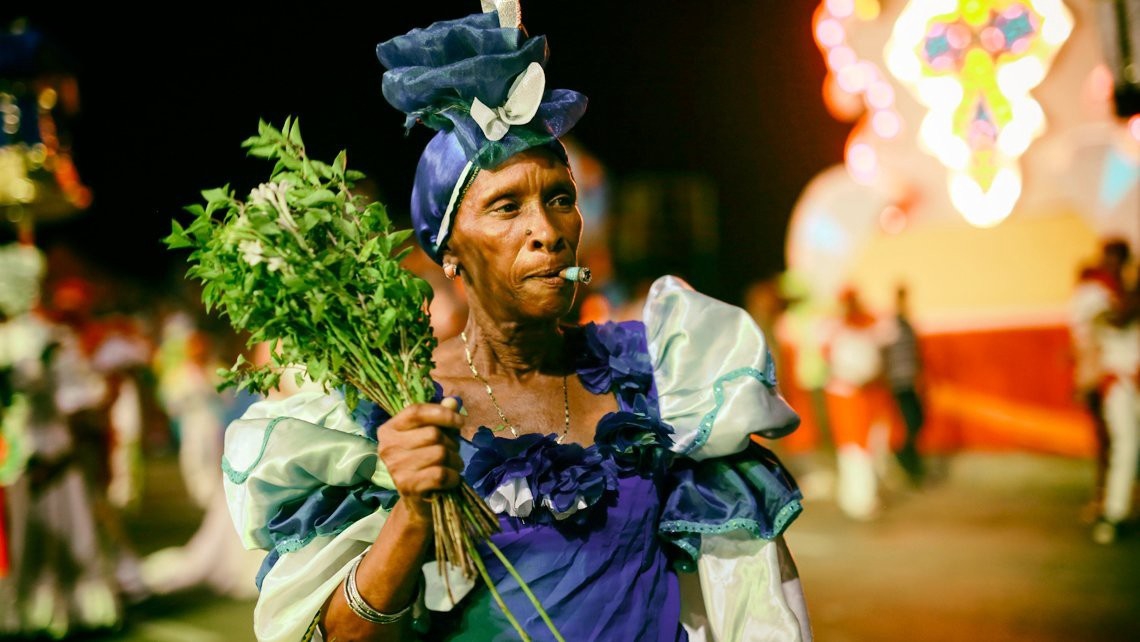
(213, 557)
(1099, 289)
(63, 576)
(1106, 336)
(903, 365)
(859, 405)
(107, 434)
(801, 333)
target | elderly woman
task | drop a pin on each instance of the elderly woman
(619, 458)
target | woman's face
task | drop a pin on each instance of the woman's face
(517, 227)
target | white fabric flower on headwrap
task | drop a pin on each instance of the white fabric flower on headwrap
(523, 100)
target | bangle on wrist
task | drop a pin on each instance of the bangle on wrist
(361, 608)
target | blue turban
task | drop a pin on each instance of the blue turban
(482, 87)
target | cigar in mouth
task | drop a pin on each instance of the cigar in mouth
(576, 273)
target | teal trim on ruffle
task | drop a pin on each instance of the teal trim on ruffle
(735, 524)
(780, 524)
(239, 476)
(296, 543)
(718, 394)
(786, 515)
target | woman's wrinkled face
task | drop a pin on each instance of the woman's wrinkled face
(517, 227)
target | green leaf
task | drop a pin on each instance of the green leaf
(263, 151)
(397, 238)
(317, 197)
(216, 195)
(177, 238)
(295, 133)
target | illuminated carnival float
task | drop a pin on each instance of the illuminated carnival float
(984, 166)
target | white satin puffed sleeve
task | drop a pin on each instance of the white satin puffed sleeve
(278, 453)
(715, 379)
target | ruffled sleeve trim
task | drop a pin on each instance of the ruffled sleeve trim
(748, 492)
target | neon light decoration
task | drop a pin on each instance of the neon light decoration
(860, 79)
(973, 64)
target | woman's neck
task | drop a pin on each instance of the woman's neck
(515, 349)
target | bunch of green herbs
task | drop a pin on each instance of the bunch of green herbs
(309, 266)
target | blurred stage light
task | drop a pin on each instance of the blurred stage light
(973, 64)
(854, 87)
(38, 180)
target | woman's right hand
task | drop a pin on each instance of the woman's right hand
(420, 448)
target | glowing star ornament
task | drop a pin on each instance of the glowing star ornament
(973, 64)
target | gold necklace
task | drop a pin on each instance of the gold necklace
(506, 424)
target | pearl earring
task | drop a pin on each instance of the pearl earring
(450, 270)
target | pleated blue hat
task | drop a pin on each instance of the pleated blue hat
(482, 86)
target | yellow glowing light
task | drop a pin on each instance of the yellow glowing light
(955, 57)
(48, 98)
(37, 154)
(985, 209)
(867, 9)
(975, 12)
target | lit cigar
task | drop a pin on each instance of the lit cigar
(576, 273)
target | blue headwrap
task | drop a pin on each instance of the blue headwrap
(482, 86)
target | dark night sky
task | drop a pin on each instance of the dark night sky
(168, 96)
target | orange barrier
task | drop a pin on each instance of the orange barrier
(1007, 389)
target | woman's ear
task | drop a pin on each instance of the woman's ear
(451, 267)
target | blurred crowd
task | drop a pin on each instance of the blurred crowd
(94, 383)
(855, 376)
(90, 387)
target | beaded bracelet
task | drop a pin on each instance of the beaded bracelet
(361, 608)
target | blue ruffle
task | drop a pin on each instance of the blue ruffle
(749, 491)
(326, 511)
(614, 358)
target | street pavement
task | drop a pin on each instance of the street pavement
(995, 550)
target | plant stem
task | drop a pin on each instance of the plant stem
(474, 552)
(525, 589)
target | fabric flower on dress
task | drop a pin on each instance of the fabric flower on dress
(635, 441)
(573, 479)
(517, 475)
(614, 358)
(498, 462)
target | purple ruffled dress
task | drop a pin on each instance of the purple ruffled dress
(598, 533)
